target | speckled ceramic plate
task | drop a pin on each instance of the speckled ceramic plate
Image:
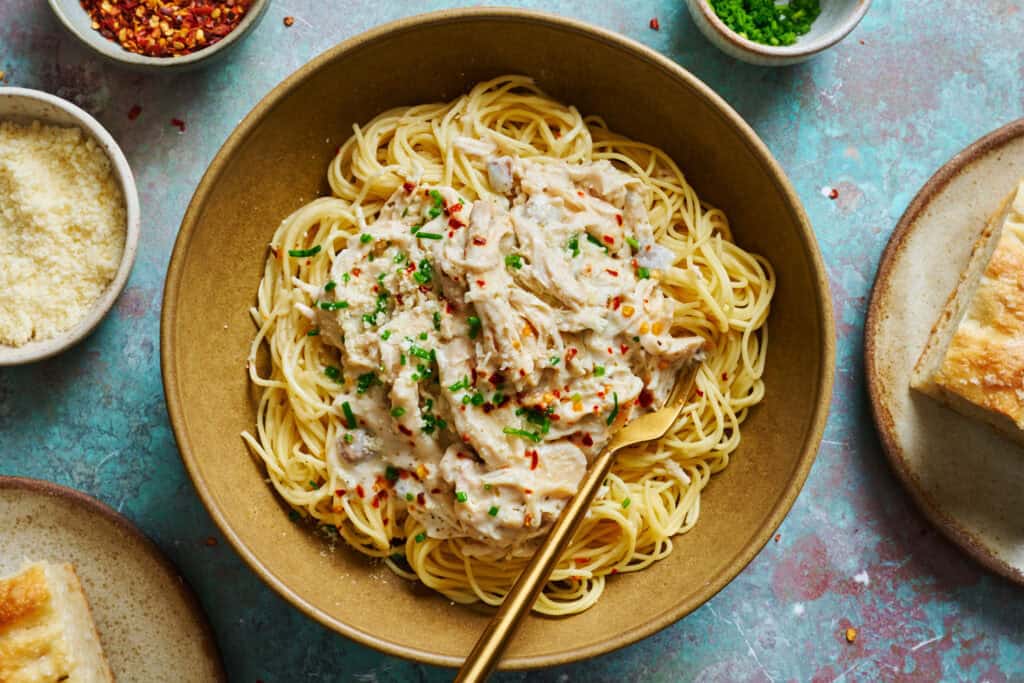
(276, 160)
(150, 624)
(964, 476)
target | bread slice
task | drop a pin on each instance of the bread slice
(974, 359)
(46, 629)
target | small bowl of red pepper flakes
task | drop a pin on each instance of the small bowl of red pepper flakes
(160, 34)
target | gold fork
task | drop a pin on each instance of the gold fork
(495, 638)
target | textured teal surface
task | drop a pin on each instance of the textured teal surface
(873, 118)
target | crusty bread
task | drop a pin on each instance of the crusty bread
(46, 629)
(974, 359)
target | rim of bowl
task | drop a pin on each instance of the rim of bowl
(45, 348)
(114, 51)
(798, 49)
(614, 641)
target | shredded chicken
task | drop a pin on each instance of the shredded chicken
(490, 349)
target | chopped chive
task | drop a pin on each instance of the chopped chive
(514, 261)
(461, 496)
(391, 473)
(397, 412)
(421, 353)
(414, 229)
(350, 417)
(399, 257)
(532, 436)
(625, 503)
(333, 305)
(466, 399)
(437, 321)
(643, 273)
(477, 399)
(636, 339)
(428, 235)
(554, 360)
(487, 487)
(302, 253)
(365, 237)
(348, 438)
(598, 371)
(405, 212)
(420, 537)
(615, 409)
(498, 398)
(385, 335)
(493, 512)
(423, 336)
(409, 497)
(334, 373)
(370, 318)
(461, 384)
(595, 241)
(346, 277)
(474, 326)
(313, 332)
(401, 358)
(574, 245)
(329, 287)
(632, 242)
(365, 381)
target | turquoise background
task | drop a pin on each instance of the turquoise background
(873, 117)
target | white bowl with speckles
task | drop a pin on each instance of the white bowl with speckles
(24, 106)
(837, 19)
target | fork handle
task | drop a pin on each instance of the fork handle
(496, 636)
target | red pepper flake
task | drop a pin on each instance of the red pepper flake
(376, 501)
(777, 537)
(339, 492)
(588, 440)
(421, 498)
(833, 193)
(614, 571)
(655, 24)
(451, 234)
(408, 187)
(179, 124)
(624, 348)
(579, 193)
(580, 561)
(356, 272)
(533, 459)
(618, 218)
(616, 302)
(481, 283)
(210, 541)
(405, 430)
(289, 21)
(455, 223)
(646, 398)
(610, 352)
(435, 491)
(165, 28)
(725, 376)
(700, 393)
(448, 307)
(608, 239)
(613, 273)
(455, 208)
(360, 491)
(479, 241)
(134, 112)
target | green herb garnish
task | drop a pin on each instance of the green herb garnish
(391, 473)
(461, 384)
(420, 537)
(425, 273)
(597, 242)
(615, 409)
(437, 321)
(625, 503)
(333, 305)
(313, 332)
(350, 417)
(643, 273)
(574, 245)
(474, 326)
(365, 237)
(632, 242)
(598, 371)
(493, 512)
(303, 253)
(334, 373)
(428, 235)
(397, 412)
(461, 496)
(365, 381)
(329, 287)
(765, 22)
(514, 261)
(532, 436)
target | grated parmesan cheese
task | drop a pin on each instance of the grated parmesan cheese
(62, 229)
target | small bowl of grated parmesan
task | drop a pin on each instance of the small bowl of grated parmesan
(69, 224)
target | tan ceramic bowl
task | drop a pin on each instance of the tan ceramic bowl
(276, 160)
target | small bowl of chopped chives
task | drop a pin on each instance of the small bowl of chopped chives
(769, 33)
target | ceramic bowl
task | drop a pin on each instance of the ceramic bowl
(24, 105)
(276, 160)
(837, 19)
(77, 21)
